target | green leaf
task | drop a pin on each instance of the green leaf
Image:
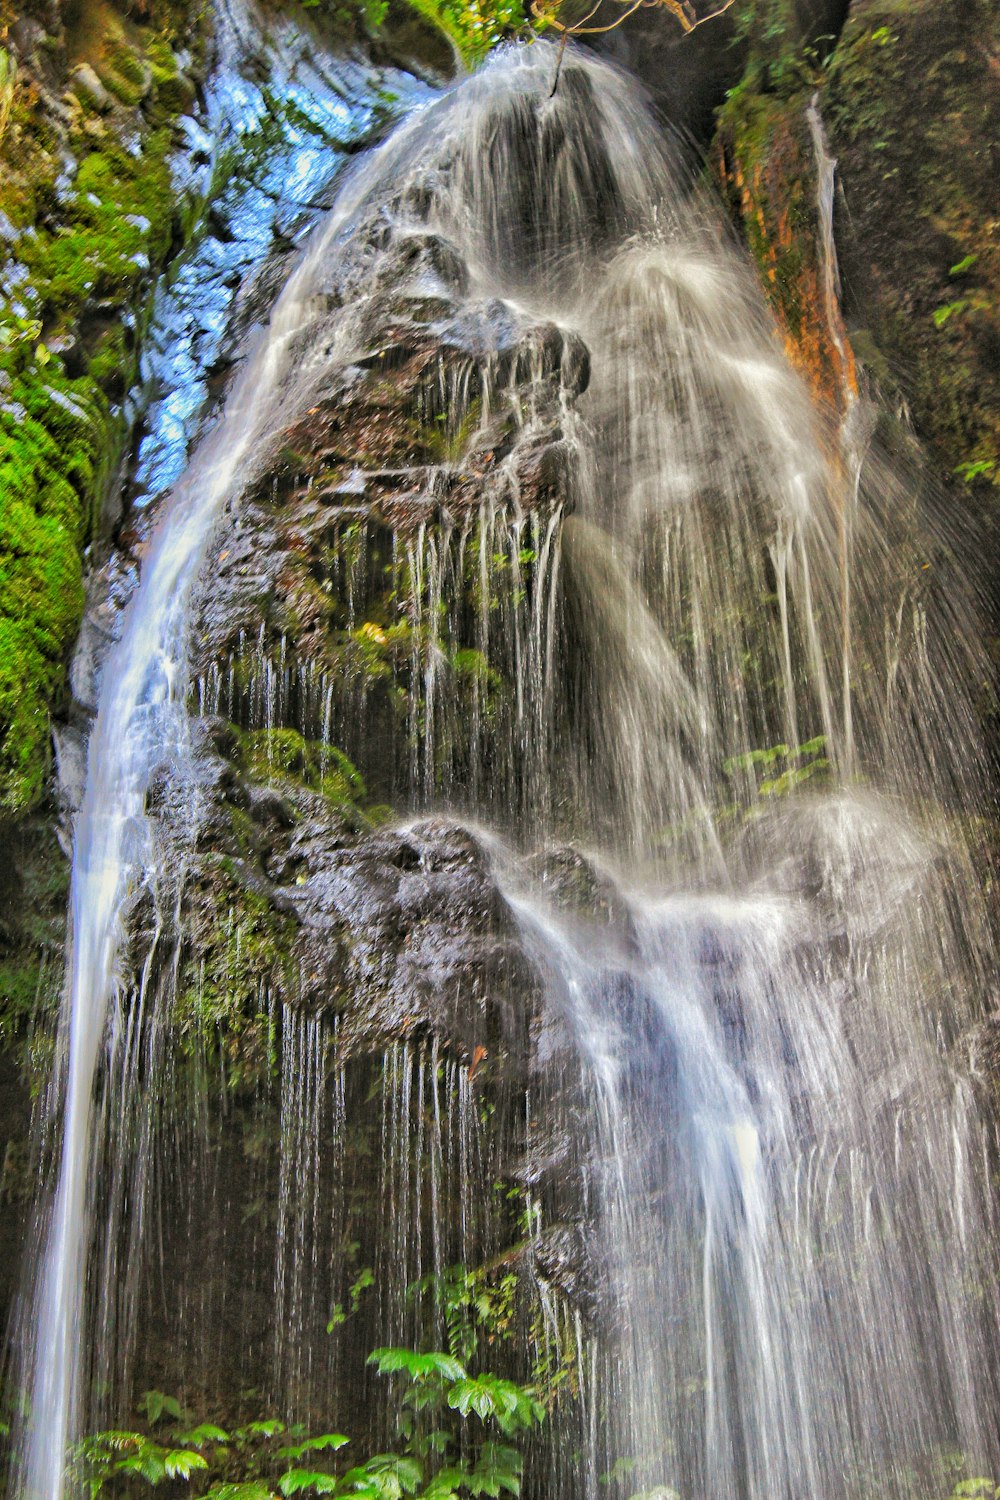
(181, 1463)
(269, 1428)
(331, 1440)
(297, 1480)
(975, 469)
(251, 1489)
(511, 1406)
(965, 264)
(418, 1366)
(366, 1278)
(948, 310)
(445, 1483)
(498, 1469)
(148, 1463)
(395, 1475)
(205, 1432)
(156, 1406)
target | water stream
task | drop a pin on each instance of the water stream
(744, 678)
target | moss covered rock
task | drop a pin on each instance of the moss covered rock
(87, 209)
(910, 98)
(765, 160)
(913, 109)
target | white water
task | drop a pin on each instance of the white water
(141, 730)
(788, 1157)
(789, 1170)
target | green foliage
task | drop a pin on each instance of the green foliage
(976, 468)
(474, 26)
(948, 310)
(470, 1304)
(439, 1458)
(784, 768)
(512, 1408)
(52, 432)
(420, 1368)
(270, 753)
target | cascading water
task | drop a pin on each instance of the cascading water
(738, 676)
(141, 727)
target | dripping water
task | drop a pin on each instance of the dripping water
(787, 1168)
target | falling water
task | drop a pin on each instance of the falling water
(141, 729)
(752, 679)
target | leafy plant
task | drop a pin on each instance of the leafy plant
(784, 767)
(948, 310)
(977, 468)
(438, 1458)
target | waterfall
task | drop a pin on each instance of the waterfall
(790, 1170)
(741, 672)
(141, 729)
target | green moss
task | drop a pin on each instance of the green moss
(58, 434)
(270, 754)
(243, 952)
(53, 435)
(119, 224)
(124, 75)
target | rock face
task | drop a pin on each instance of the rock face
(447, 403)
(370, 631)
(381, 1100)
(909, 99)
(400, 934)
(88, 105)
(913, 111)
(381, 586)
(303, 920)
(357, 640)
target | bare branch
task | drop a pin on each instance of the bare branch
(682, 11)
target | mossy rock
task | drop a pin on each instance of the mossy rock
(764, 160)
(99, 243)
(913, 109)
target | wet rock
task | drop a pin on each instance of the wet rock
(400, 932)
(571, 879)
(85, 82)
(916, 215)
(416, 255)
(561, 1258)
